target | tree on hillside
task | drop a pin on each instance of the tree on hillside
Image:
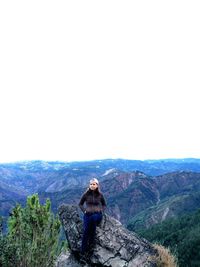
(181, 235)
(33, 235)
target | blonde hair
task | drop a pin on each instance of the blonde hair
(94, 180)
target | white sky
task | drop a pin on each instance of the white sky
(82, 80)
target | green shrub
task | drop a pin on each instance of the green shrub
(33, 236)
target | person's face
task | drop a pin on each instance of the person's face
(93, 185)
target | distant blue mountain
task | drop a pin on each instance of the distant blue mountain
(19, 179)
(150, 167)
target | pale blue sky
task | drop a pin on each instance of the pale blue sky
(83, 80)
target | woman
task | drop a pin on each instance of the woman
(95, 205)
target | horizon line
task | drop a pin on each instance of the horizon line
(102, 159)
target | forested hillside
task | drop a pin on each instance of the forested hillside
(181, 235)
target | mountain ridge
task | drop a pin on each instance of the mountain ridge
(128, 189)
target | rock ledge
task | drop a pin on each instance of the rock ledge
(115, 246)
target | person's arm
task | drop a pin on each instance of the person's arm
(103, 202)
(81, 203)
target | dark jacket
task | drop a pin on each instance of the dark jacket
(94, 201)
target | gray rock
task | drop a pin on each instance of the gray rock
(115, 246)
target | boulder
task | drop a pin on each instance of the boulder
(114, 246)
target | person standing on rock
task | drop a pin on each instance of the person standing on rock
(92, 204)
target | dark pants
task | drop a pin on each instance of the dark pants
(90, 222)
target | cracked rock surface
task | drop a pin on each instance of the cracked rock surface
(115, 246)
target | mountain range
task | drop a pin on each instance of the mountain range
(138, 193)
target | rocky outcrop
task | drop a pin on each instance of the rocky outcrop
(114, 246)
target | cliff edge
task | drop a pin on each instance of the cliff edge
(115, 246)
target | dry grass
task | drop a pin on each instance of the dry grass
(164, 258)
